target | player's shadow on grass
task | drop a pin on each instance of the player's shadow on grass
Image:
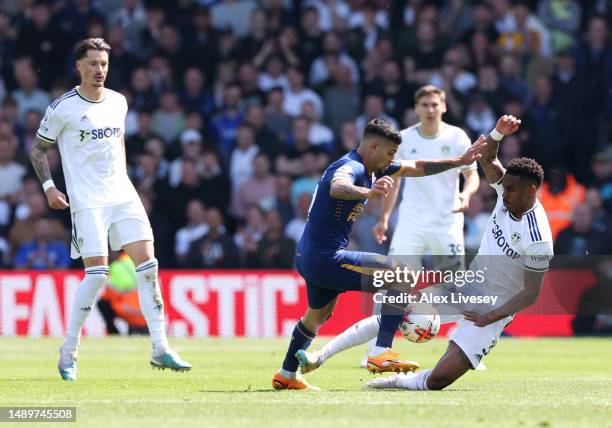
(249, 390)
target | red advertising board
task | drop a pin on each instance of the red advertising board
(242, 303)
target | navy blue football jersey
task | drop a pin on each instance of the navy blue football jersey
(330, 220)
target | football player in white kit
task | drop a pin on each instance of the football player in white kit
(87, 123)
(514, 252)
(430, 217)
(431, 211)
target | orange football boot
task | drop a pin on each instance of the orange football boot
(389, 361)
(280, 382)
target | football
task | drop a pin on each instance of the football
(421, 323)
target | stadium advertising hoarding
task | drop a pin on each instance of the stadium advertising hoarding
(245, 303)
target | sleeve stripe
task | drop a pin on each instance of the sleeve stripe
(536, 269)
(38, 134)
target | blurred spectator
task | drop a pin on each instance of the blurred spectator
(121, 57)
(232, 14)
(373, 107)
(488, 86)
(144, 97)
(11, 172)
(24, 228)
(266, 139)
(276, 118)
(163, 231)
(132, 17)
(547, 144)
(297, 94)
(195, 228)
(274, 75)
(274, 250)
(562, 17)
(241, 161)
(224, 125)
(249, 81)
(341, 99)
(135, 143)
(191, 147)
(521, 25)
(320, 70)
(602, 176)
(195, 96)
(28, 96)
(580, 238)
(311, 37)
(479, 117)
(310, 176)
(559, 194)
(510, 78)
(282, 202)
(349, 140)
(43, 251)
(396, 92)
(216, 186)
(44, 43)
(169, 120)
(509, 149)
(476, 221)
(202, 41)
(249, 233)
(319, 135)
(216, 249)
(256, 190)
(295, 227)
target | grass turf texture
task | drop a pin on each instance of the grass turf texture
(529, 383)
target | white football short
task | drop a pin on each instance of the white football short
(410, 244)
(93, 229)
(475, 342)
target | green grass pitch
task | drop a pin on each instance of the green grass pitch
(529, 383)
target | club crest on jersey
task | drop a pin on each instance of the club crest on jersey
(445, 150)
(515, 238)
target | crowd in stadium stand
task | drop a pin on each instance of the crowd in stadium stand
(236, 108)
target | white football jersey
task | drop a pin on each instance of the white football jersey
(510, 245)
(428, 202)
(89, 135)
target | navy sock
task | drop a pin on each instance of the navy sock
(391, 316)
(301, 338)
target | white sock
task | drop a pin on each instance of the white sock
(356, 334)
(377, 350)
(152, 304)
(287, 374)
(413, 382)
(84, 299)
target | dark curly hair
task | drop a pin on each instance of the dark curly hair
(382, 128)
(526, 168)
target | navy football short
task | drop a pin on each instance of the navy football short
(327, 276)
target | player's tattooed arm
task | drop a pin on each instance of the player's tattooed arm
(344, 189)
(38, 157)
(420, 168)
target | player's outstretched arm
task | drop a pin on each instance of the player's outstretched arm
(38, 157)
(523, 299)
(344, 189)
(421, 168)
(492, 167)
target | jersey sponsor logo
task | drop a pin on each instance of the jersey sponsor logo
(540, 258)
(502, 243)
(355, 212)
(99, 133)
